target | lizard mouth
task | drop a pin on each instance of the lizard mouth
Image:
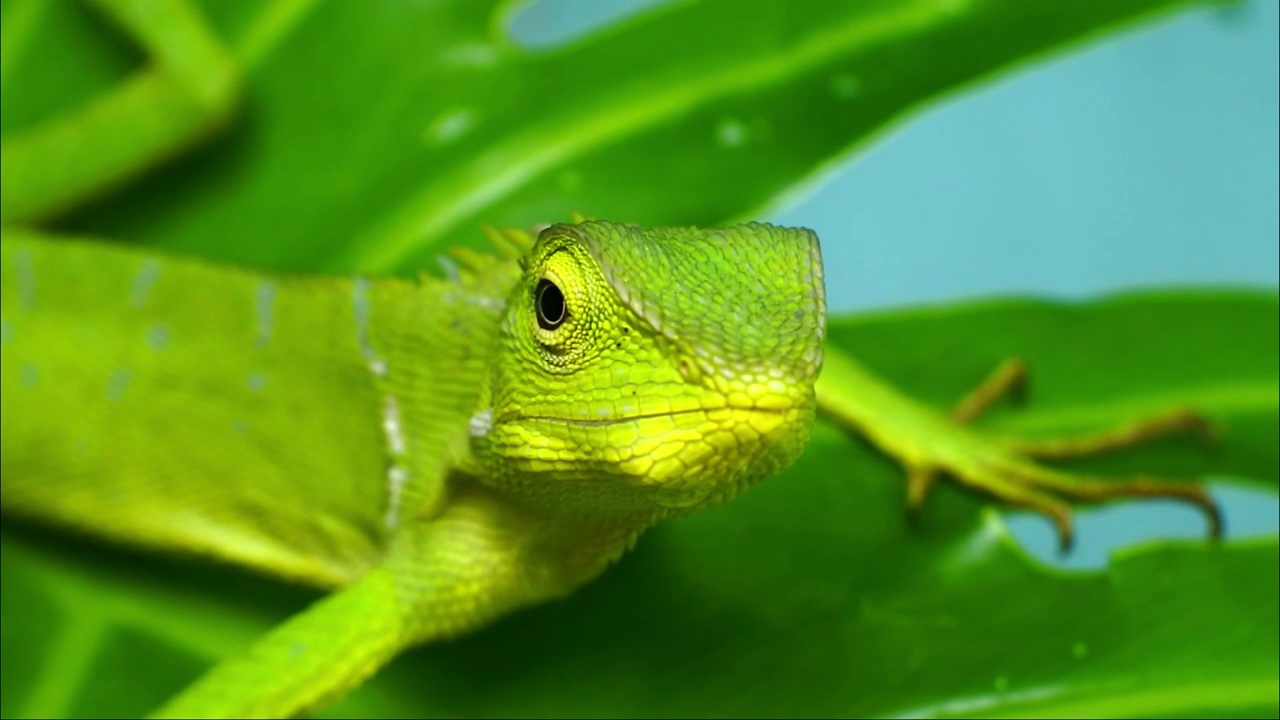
(607, 421)
(686, 455)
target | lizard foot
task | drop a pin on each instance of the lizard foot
(1015, 477)
(929, 444)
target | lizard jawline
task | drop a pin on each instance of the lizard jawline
(605, 422)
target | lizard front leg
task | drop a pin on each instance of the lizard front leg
(481, 558)
(929, 443)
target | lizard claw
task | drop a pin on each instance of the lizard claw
(1036, 485)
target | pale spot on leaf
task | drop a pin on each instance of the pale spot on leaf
(474, 55)
(731, 133)
(449, 126)
(846, 86)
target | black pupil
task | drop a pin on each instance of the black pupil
(550, 305)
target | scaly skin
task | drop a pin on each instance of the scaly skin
(444, 451)
(437, 452)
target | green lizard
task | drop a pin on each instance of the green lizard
(438, 452)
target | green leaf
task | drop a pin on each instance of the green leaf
(812, 594)
(374, 136)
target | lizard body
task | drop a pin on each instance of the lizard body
(445, 451)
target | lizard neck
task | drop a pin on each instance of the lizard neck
(498, 555)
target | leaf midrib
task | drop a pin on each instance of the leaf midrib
(449, 198)
(1114, 699)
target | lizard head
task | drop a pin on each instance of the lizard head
(658, 369)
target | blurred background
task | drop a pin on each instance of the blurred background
(1148, 158)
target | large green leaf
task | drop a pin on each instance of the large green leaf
(376, 132)
(812, 594)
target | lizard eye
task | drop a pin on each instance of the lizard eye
(549, 305)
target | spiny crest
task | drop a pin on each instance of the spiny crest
(511, 243)
(515, 243)
(466, 266)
